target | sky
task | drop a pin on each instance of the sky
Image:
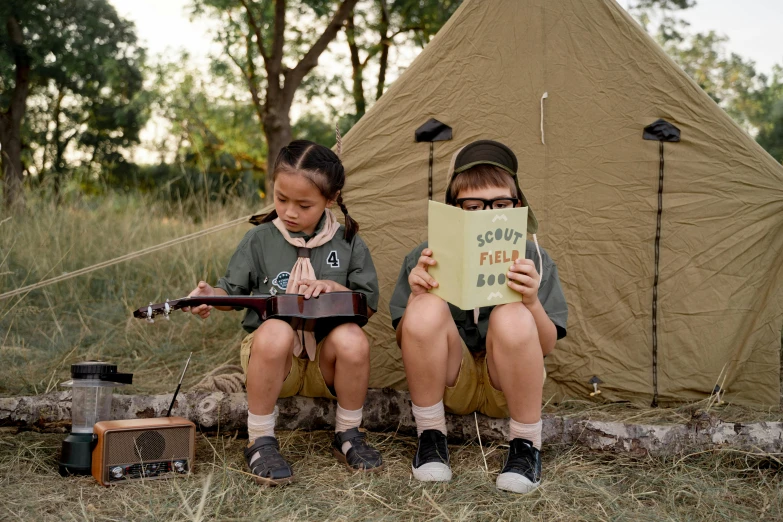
(753, 26)
(165, 28)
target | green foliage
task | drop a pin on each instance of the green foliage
(764, 109)
(86, 105)
(215, 144)
(753, 100)
(422, 18)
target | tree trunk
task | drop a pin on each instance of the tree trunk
(11, 120)
(389, 411)
(277, 131)
(385, 44)
(357, 68)
(58, 166)
(11, 151)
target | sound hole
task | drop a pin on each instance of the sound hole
(149, 445)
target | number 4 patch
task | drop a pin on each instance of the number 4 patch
(332, 259)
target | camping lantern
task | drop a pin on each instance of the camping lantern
(93, 383)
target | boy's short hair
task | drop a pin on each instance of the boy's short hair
(479, 177)
(486, 163)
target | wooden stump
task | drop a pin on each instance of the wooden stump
(389, 411)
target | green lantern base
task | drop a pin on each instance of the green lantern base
(76, 456)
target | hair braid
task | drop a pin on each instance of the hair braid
(351, 226)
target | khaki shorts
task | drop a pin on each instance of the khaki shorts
(305, 377)
(473, 390)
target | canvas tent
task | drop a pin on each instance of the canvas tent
(593, 182)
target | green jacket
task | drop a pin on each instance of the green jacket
(261, 265)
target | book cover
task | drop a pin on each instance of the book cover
(474, 250)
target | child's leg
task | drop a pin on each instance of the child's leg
(515, 364)
(432, 355)
(345, 364)
(431, 349)
(515, 360)
(270, 362)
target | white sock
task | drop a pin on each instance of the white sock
(430, 418)
(260, 426)
(344, 420)
(531, 432)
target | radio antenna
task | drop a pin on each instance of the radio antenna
(179, 384)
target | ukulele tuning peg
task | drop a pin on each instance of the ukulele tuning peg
(166, 310)
(150, 314)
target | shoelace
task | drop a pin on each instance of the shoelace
(523, 460)
(433, 448)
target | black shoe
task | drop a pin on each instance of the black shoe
(269, 468)
(361, 456)
(522, 471)
(431, 462)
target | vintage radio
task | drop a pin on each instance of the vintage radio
(136, 449)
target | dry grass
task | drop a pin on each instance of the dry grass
(577, 485)
(89, 317)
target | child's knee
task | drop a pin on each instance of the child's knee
(426, 315)
(513, 324)
(351, 344)
(272, 341)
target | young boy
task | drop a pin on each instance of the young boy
(491, 359)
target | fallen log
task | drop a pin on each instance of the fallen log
(389, 411)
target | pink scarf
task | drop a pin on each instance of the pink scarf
(303, 270)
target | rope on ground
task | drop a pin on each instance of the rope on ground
(126, 257)
(220, 380)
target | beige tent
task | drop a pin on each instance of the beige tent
(593, 182)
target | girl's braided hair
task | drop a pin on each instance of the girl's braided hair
(323, 168)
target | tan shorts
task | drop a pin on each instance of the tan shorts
(305, 377)
(473, 390)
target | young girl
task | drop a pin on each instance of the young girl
(308, 179)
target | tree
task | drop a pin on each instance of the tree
(218, 146)
(753, 100)
(13, 100)
(386, 20)
(82, 61)
(764, 109)
(254, 34)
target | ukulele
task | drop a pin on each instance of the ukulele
(325, 311)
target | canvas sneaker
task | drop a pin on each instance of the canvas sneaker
(431, 462)
(522, 471)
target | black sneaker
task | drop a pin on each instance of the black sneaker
(522, 471)
(431, 462)
(361, 456)
(269, 467)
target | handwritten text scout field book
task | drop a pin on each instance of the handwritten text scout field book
(474, 250)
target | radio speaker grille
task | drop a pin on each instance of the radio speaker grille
(123, 447)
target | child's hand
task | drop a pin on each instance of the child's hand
(419, 279)
(314, 288)
(202, 311)
(523, 278)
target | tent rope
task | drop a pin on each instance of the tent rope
(126, 257)
(543, 96)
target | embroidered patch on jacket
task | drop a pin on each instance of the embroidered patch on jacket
(281, 280)
(332, 259)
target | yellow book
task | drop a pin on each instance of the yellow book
(474, 251)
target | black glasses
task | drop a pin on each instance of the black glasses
(471, 204)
